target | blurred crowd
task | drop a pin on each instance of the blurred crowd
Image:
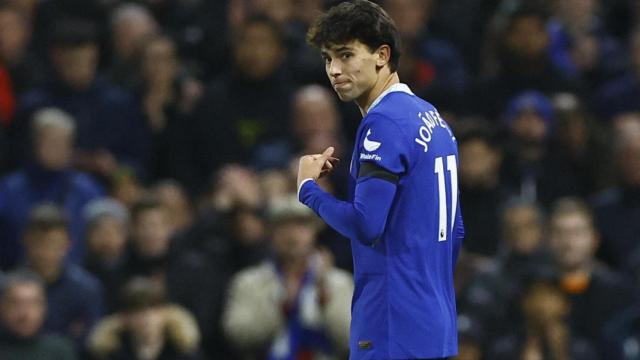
(148, 156)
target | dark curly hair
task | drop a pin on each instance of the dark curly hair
(360, 20)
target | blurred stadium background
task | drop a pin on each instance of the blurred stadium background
(148, 154)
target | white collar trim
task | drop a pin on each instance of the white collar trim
(393, 88)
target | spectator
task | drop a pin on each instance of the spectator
(23, 309)
(580, 45)
(74, 297)
(107, 239)
(529, 167)
(581, 146)
(544, 332)
(47, 178)
(131, 24)
(296, 304)
(174, 198)
(618, 208)
(315, 121)
(150, 239)
(25, 71)
(224, 125)
(523, 63)
(430, 65)
(227, 237)
(165, 96)
(13, 42)
(107, 121)
(480, 162)
(620, 95)
(587, 285)
(146, 327)
(491, 297)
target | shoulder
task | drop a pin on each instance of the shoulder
(56, 344)
(257, 275)
(82, 279)
(36, 97)
(606, 199)
(339, 278)
(85, 182)
(13, 181)
(113, 94)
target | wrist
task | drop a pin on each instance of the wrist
(302, 182)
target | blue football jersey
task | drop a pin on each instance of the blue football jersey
(404, 301)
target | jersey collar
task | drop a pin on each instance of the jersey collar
(393, 88)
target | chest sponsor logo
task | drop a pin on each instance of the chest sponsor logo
(375, 157)
(370, 145)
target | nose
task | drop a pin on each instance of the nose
(334, 69)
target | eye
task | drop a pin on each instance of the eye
(327, 60)
(346, 55)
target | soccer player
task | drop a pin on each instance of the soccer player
(403, 215)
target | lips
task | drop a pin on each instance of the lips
(342, 83)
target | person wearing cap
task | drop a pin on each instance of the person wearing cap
(295, 303)
(106, 239)
(530, 169)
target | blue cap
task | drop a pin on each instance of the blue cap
(530, 100)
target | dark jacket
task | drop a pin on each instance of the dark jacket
(106, 118)
(74, 304)
(22, 190)
(39, 347)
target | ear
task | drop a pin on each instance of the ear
(383, 55)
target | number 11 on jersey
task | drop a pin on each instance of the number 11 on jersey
(442, 194)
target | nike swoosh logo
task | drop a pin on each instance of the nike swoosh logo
(370, 145)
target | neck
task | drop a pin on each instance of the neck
(385, 81)
(296, 266)
(49, 275)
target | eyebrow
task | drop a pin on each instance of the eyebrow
(337, 50)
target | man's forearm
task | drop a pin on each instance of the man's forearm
(364, 219)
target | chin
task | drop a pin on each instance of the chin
(345, 96)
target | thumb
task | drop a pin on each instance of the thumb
(327, 153)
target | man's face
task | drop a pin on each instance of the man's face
(293, 239)
(410, 16)
(258, 52)
(76, 65)
(478, 163)
(572, 240)
(46, 249)
(22, 309)
(314, 114)
(152, 232)
(529, 127)
(352, 69)
(54, 148)
(522, 229)
(107, 238)
(528, 38)
(14, 35)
